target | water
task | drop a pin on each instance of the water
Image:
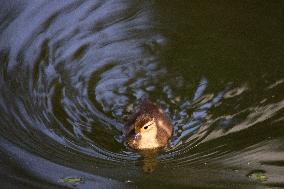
(72, 72)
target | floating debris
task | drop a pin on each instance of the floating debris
(258, 175)
(128, 181)
(72, 180)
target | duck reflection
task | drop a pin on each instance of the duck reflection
(149, 160)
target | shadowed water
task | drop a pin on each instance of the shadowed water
(71, 72)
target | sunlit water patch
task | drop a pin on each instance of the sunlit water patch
(73, 71)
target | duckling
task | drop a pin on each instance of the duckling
(148, 128)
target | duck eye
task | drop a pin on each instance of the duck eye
(146, 127)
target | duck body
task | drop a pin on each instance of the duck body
(148, 128)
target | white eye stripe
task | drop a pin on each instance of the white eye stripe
(149, 123)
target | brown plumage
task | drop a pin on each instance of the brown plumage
(148, 128)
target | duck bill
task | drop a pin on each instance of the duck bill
(133, 141)
(137, 136)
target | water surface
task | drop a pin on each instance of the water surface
(71, 73)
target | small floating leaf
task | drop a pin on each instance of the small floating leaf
(258, 175)
(71, 179)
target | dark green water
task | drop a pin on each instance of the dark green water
(72, 71)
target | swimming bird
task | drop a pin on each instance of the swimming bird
(148, 128)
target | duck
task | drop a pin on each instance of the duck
(148, 128)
